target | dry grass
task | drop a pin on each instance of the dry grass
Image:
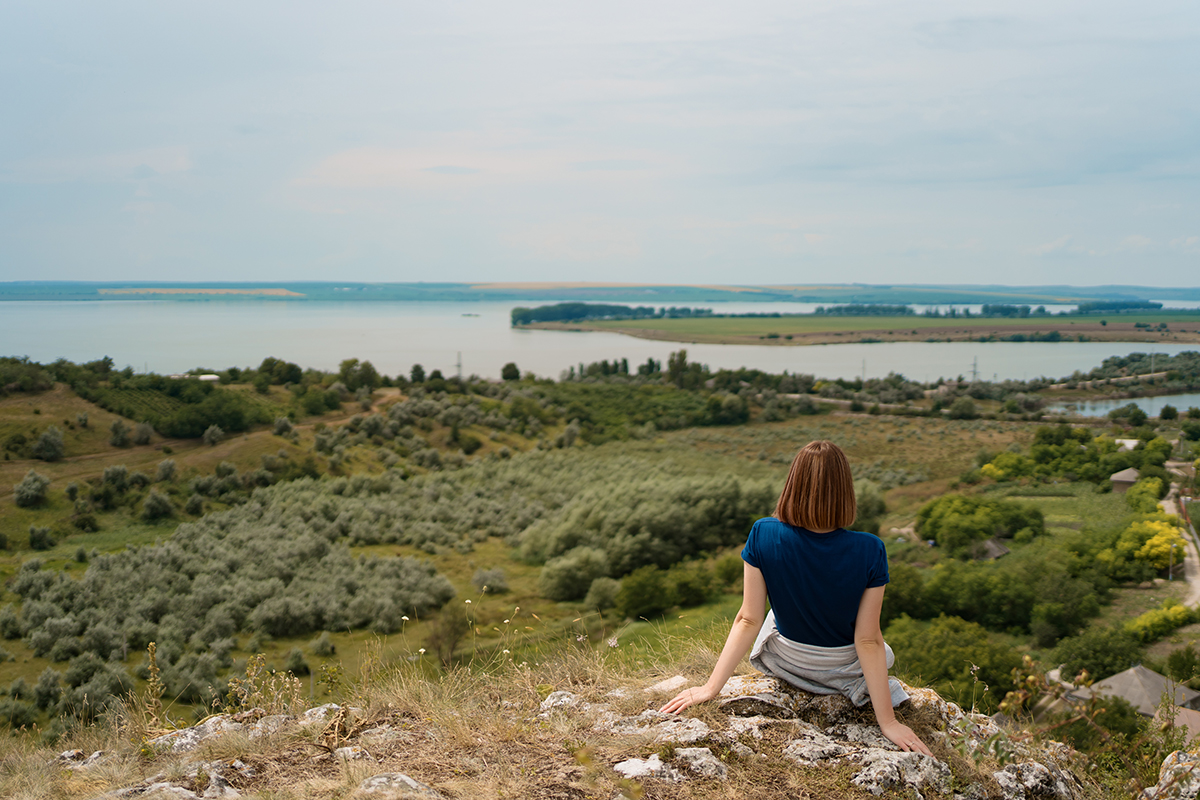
(472, 732)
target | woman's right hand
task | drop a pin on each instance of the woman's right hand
(688, 697)
(903, 737)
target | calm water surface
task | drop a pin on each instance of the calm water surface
(172, 336)
(1151, 405)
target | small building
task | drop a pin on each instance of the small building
(209, 378)
(1143, 689)
(990, 550)
(1121, 481)
(1125, 445)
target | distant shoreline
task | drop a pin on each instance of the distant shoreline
(801, 330)
(641, 294)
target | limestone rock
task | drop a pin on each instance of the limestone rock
(318, 714)
(396, 786)
(560, 700)
(750, 696)
(683, 731)
(812, 747)
(188, 739)
(351, 753)
(1032, 780)
(652, 767)
(702, 762)
(883, 770)
(673, 684)
(1178, 778)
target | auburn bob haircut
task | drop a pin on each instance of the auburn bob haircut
(819, 493)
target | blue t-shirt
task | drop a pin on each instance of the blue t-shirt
(815, 580)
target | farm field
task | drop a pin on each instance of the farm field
(814, 329)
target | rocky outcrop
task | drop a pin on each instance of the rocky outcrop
(756, 715)
(1178, 778)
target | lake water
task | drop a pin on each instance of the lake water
(173, 336)
(1151, 405)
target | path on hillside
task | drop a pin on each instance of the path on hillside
(1191, 561)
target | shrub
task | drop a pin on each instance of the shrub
(509, 372)
(1168, 412)
(116, 476)
(195, 505)
(139, 480)
(602, 594)
(31, 491)
(283, 426)
(85, 522)
(39, 538)
(490, 581)
(118, 433)
(957, 658)
(1143, 496)
(960, 523)
(72, 491)
(213, 435)
(10, 623)
(1101, 651)
(568, 576)
(1129, 414)
(691, 584)
(17, 714)
(322, 646)
(165, 471)
(646, 592)
(81, 419)
(142, 432)
(156, 506)
(295, 663)
(963, 408)
(3, 542)
(729, 569)
(1158, 622)
(50, 445)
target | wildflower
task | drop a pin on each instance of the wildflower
(504, 651)
(505, 622)
(404, 618)
(581, 637)
(612, 642)
(421, 651)
(468, 602)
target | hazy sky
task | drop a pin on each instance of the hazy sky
(792, 142)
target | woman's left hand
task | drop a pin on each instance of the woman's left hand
(688, 697)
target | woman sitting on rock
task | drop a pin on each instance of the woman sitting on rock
(825, 584)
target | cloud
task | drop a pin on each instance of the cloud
(1050, 247)
(131, 165)
(580, 240)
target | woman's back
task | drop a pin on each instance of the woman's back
(815, 580)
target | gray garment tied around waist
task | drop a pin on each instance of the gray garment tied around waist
(819, 670)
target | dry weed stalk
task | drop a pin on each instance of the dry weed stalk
(273, 692)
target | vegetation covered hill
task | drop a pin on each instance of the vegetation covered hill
(449, 525)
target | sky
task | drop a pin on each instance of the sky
(1045, 142)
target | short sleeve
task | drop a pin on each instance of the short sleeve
(750, 553)
(879, 569)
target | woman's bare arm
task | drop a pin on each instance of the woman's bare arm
(746, 625)
(868, 643)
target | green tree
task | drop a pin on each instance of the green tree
(957, 658)
(645, 593)
(1168, 412)
(118, 433)
(963, 408)
(213, 435)
(510, 372)
(1102, 651)
(50, 445)
(569, 576)
(417, 374)
(142, 432)
(31, 490)
(1129, 414)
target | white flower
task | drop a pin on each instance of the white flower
(505, 622)
(505, 652)
(468, 602)
(421, 651)
(404, 618)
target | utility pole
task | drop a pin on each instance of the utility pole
(975, 369)
(459, 364)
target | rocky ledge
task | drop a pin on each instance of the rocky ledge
(753, 717)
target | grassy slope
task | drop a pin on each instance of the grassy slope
(936, 451)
